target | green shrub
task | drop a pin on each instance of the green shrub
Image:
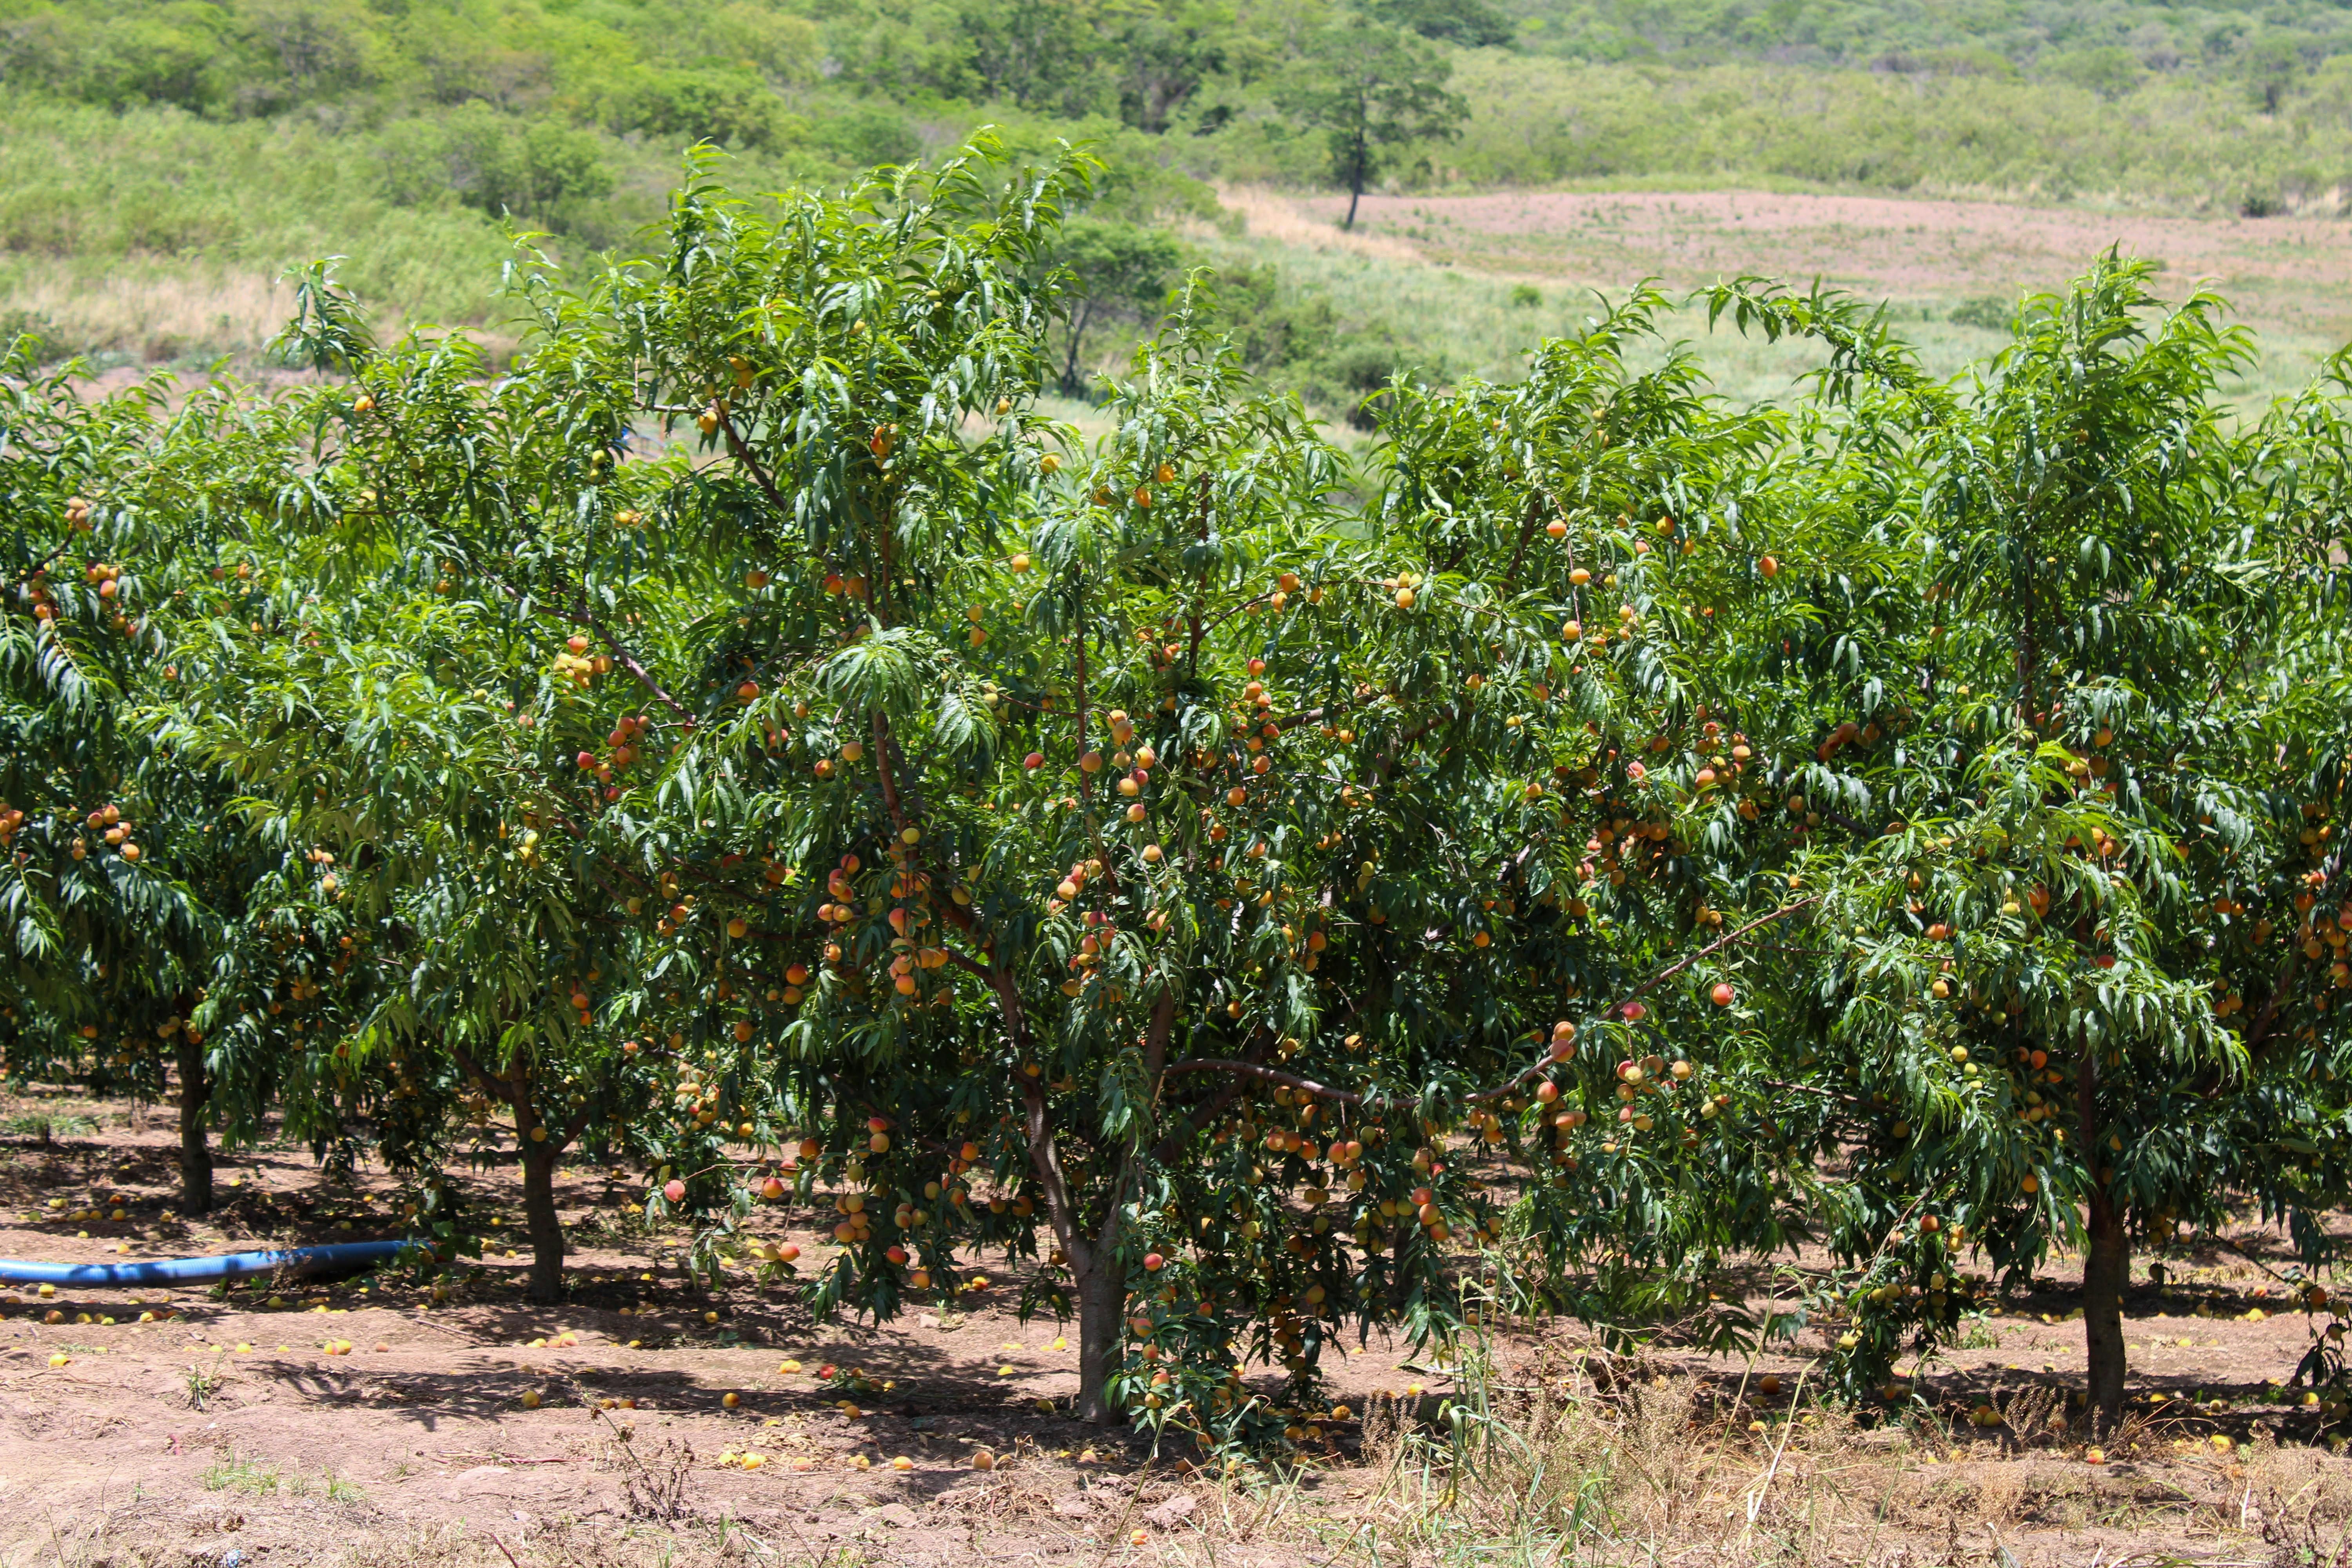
(1984, 311)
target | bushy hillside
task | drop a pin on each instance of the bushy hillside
(2104, 46)
(2169, 141)
(165, 160)
(553, 109)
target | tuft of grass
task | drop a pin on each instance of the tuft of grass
(1980, 1334)
(202, 1382)
(42, 1127)
(228, 1473)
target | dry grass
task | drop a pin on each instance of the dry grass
(1278, 219)
(130, 1539)
(1588, 1463)
(161, 312)
(1443, 273)
(150, 314)
(1600, 1461)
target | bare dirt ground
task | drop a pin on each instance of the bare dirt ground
(645, 1422)
(2285, 275)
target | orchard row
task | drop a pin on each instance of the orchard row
(1266, 894)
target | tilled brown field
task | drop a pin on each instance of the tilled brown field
(365, 1422)
(2285, 275)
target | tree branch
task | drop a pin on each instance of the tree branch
(466, 1061)
(742, 454)
(1325, 1091)
(1168, 1147)
(621, 655)
(1816, 1093)
(1718, 945)
(1044, 1158)
(2259, 1035)
(573, 1128)
(1527, 532)
(628, 661)
(1395, 752)
(1273, 1075)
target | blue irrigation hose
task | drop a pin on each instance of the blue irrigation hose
(348, 1255)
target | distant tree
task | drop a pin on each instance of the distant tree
(1164, 53)
(1370, 89)
(868, 134)
(1118, 272)
(1472, 24)
(1049, 56)
(2273, 64)
(2109, 72)
(1269, 330)
(317, 48)
(497, 162)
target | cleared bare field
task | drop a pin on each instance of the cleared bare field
(2285, 273)
(2289, 278)
(373, 1422)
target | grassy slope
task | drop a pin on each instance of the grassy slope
(2106, 43)
(2169, 142)
(159, 235)
(156, 233)
(1476, 328)
(1385, 303)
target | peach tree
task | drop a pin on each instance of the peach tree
(752, 739)
(474, 706)
(155, 942)
(1239, 906)
(411, 705)
(2054, 721)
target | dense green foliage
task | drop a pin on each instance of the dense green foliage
(2171, 141)
(665, 67)
(1608, 834)
(156, 933)
(2103, 47)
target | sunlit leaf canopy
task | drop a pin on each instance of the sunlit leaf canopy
(1273, 892)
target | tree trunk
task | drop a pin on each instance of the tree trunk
(540, 1221)
(536, 1148)
(1355, 194)
(2107, 1259)
(1102, 1303)
(2106, 1269)
(1093, 1261)
(195, 1156)
(1071, 384)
